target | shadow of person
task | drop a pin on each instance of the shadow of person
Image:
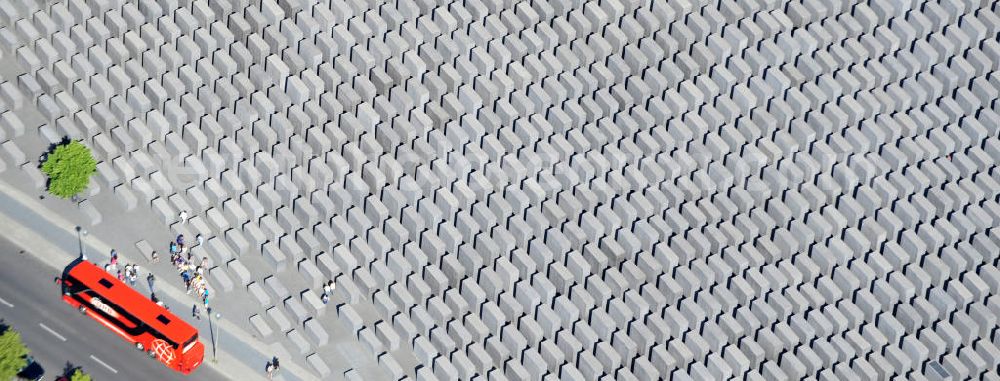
(68, 369)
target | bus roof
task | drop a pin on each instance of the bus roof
(152, 314)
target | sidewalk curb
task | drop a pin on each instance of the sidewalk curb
(51, 255)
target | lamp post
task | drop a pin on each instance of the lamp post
(215, 343)
(80, 233)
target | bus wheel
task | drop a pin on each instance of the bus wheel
(139, 347)
(83, 310)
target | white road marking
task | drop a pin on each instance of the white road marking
(53, 332)
(6, 303)
(104, 363)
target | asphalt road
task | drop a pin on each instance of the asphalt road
(60, 337)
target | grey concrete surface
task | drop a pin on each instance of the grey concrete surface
(541, 189)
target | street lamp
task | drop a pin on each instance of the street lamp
(80, 233)
(215, 343)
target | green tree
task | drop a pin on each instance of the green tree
(69, 167)
(12, 354)
(79, 375)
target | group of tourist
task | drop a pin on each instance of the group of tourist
(192, 274)
(128, 273)
(183, 260)
(327, 291)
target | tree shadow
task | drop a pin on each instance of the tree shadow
(68, 369)
(51, 148)
(45, 156)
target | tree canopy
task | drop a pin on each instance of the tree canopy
(69, 168)
(12, 354)
(79, 375)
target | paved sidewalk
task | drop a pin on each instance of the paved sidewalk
(53, 239)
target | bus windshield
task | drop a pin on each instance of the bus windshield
(190, 343)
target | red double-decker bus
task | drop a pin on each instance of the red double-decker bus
(150, 327)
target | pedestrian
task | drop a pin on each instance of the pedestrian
(155, 257)
(204, 297)
(180, 240)
(325, 298)
(114, 259)
(199, 239)
(326, 289)
(121, 275)
(150, 279)
(186, 276)
(173, 248)
(272, 368)
(198, 283)
(184, 216)
(195, 312)
(204, 262)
